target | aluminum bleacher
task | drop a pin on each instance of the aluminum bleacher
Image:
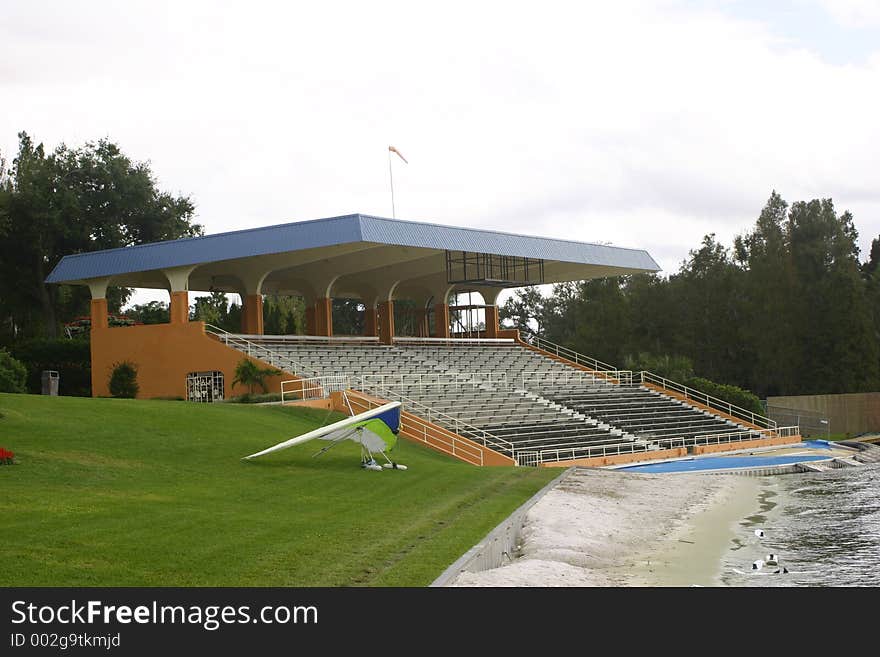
(527, 404)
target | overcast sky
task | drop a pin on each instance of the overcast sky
(643, 124)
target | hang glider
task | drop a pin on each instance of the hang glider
(374, 430)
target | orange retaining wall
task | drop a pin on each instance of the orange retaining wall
(618, 459)
(164, 355)
(746, 444)
(419, 430)
(311, 403)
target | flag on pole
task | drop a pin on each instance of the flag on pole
(394, 150)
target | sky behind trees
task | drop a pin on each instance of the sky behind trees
(644, 124)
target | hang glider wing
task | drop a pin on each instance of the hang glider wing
(375, 429)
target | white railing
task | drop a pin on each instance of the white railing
(315, 387)
(568, 354)
(713, 403)
(415, 427)
(425, 381)
(729, 437)
(586, 452)
(538, 379)
(259, 351)
(324, 339)
(453, 341)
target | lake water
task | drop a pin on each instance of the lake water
(824, 527)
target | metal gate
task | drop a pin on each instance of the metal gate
(204, 387)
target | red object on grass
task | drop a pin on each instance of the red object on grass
(6, 456)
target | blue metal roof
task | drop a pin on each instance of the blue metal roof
(333, 231)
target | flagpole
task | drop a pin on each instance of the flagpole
(391, 150)
(391, 178)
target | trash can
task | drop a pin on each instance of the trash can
(50, 382)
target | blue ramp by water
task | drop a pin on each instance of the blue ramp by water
(723, 463)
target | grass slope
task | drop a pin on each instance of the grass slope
(114, 492)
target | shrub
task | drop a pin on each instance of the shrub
(249, 374)
(70, 358)
(248, 398)
(733, 394)
(123, 380)
(13, 373)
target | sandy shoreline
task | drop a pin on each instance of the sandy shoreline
(605, 528)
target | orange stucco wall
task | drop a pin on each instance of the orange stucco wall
(164, 355)
(618, 459)
(311, 403)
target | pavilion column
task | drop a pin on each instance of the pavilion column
(371, 320)
(490, 299)
(422, 322)
(179, 307)
(98, 307)
(324, 317)
(491, 321)
(386, 322)
(251, 293)
(441, 320)
(311, 327)
(252, 314)
(178, 278)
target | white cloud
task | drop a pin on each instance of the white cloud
(854, 13)
(645, 124)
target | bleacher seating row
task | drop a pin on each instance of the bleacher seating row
(530, 402)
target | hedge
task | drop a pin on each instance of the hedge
(70, 358)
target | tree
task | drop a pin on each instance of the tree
(524, 311)
(71, 201)
(249, 373)
(283, 315)
(836, 339)
(771, 312)
(215, 309)
(154, 312)
(348, 316)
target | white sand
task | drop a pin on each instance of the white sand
(607, 528)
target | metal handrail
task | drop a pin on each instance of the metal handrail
(331, 339)
(570, 453)
(453, 341)
(728, 437)
(427, 380)
(315, 387)
(564, 352)
(535, 379)
(264, 353)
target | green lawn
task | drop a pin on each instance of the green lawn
(153, 493)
